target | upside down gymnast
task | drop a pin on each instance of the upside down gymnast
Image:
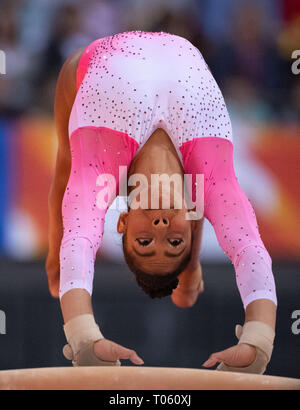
(147, 103)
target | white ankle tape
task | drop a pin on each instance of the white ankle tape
(82, 330)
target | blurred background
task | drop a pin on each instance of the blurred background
(248, 46)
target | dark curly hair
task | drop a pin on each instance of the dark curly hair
(154, 285)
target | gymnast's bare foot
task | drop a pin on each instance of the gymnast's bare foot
(189, 287)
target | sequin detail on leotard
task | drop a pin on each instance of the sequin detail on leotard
(129, 85)
(135, 82)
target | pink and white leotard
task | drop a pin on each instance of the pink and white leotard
(129, 85)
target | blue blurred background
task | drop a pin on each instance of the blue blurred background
(248, 46)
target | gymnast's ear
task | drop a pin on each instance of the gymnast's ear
(122, 222)
(196, 224)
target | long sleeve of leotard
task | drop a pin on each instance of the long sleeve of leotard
(100, 158)
(232, 216)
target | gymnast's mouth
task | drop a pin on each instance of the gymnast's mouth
(162, 210)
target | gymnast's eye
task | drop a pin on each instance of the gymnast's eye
(143, 242)
(175, 242)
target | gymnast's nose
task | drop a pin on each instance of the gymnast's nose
(161, 222)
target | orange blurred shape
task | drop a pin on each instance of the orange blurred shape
(278, 149)
(37, 152)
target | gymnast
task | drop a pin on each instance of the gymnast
(143, 103)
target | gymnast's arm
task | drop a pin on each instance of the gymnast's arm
(64, 98)
(234, 221)
(76, 303)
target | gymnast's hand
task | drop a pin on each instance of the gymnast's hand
(53, 269)
(110, 351)
(241, 355)
(189, 286)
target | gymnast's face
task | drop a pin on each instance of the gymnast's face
(157, 239)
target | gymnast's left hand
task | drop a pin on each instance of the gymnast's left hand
(241, 355)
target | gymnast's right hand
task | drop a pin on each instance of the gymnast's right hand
(53, 270)
(103, 352)
(88, 347)
(110, 351)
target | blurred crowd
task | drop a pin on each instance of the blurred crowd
(247, 44)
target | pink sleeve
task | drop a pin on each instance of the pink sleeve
(97, 155)
(232, 216)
